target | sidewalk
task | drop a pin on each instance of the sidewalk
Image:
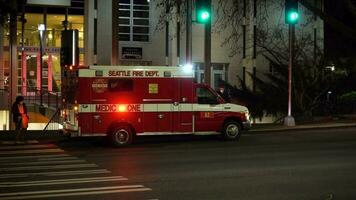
(260, 128)
(32, 135)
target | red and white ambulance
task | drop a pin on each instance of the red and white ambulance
(122, 102)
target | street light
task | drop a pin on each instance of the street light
(41, 30)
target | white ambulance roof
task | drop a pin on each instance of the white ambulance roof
(137, 72)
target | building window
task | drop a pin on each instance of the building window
(134, 20)
(219, 73)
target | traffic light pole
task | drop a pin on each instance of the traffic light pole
(188, 45)
(207, 49)
(289, 120)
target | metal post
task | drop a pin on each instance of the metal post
(24, 71)
(189, 33)
(207, 49)
(13, 57)
(289, 120)
(41, 68)
(178, 33)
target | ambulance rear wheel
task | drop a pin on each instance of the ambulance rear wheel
(121, 136)
(232, 130)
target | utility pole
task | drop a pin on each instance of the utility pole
(188, 45)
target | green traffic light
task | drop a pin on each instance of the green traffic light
(203, 16)
(293, 17)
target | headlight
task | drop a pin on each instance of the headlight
(247, 115)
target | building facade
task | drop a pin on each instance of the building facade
(153, 32)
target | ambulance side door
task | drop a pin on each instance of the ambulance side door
(157, 115)
(208, 113)
(182, 107)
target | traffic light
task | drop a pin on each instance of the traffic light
(203, 11)
(291, 12)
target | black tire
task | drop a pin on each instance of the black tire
(231, 130)
(121, 136)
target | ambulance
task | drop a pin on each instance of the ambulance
(122, 102)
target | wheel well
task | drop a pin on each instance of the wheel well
(236, 119)
(116, 124)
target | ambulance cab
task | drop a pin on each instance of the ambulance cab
(121, 102)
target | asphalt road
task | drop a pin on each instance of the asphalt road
(309, 164)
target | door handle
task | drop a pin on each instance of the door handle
(97, 117)
(175, 103)
(160, 116)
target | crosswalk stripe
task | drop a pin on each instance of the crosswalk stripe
(27, 146)
(48, 167)
(61, 173)
(71, 190)
(42, 162)
(76, 194)
(6, 159)
(13, 142)
(62, 181)
(59, 158)
(31, 151)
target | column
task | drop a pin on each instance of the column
(38, 81)
(104, 32)
(50, 72)
(89, 16)
(23, 74)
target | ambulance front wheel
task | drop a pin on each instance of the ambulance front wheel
(232, 130)
(121, 136)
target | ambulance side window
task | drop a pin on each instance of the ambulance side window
(120, 85)
(205, 96)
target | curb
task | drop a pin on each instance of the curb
(302, 127)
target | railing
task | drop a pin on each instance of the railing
(54, 122)
(49, 99)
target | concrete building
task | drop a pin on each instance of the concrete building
(145, 32)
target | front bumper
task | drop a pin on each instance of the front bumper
(246, 125)
(70, 129)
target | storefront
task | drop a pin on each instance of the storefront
(28, 45)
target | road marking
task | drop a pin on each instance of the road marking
(96, 190)
(76, 194)
(13, 142)
(38, 146)
(32, 151)
(5, 159)
(48, 167)
(60, 158)
(43, 162)
(62, 181)
(63, 173)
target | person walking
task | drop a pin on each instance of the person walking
(20, 118)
